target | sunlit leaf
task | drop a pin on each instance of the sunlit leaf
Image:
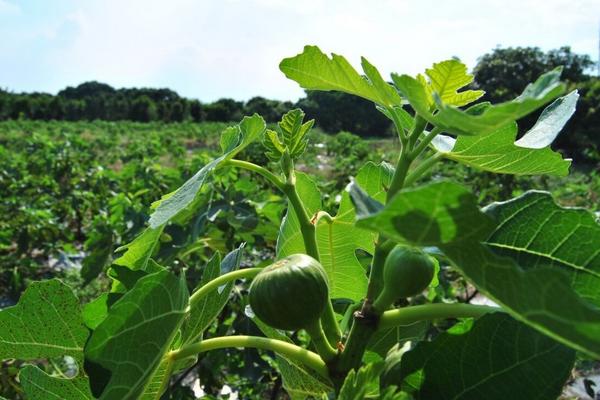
(313, 70)
(447, 77)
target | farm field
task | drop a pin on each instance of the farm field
(74, 192)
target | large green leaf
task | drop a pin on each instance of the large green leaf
(498, 359)
(459, 122)
(40, 386)
(338, 238)
(208, 308)
(447, 77)
(126, 348)
(448, 217)
(313, 70)
(233, 140)
(46, 322)
(441, 212)
(536, 232)
(497, 152)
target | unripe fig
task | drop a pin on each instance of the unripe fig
(407, 272)
(291, 293)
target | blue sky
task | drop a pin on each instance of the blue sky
(232, 48)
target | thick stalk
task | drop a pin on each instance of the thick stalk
(400, 174)
(363, 327)
(271, 177)
(320, 342)
(221, 280)
(425, 142)
(308, 230)
(289, 350)
(427, 312)
(418, 128)
(421, 169)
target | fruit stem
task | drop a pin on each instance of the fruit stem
(288, 350)
(427, 312)
(271, 177)
(320, 342)
(204, 290)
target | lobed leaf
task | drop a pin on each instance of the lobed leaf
(535, 232)
(449, 218)
(497, 152)
(124, 351)
(313, 70)
(462, 122)
(498, 358)
(447, 77)
(46, 322)
(431, 215)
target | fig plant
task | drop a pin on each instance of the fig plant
(369, 328)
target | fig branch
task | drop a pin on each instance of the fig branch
(288, 350)
(427, 312)
(206, 289)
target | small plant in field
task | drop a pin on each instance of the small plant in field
(372, 329)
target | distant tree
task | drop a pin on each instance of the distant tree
(87, 89)
(505, 72)
(178, 111)
(271, 110)
(336, 111)
(224, 110)
(197, 111)
(143, 109)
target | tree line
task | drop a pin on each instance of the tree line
(502, 73)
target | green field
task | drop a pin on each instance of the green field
(73, 192)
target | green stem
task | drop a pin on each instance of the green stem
(422, 168)
(289, 350)
(426, 312)
(401, 134)
(307, 229)
(425, 142)
(332, 329)
(271, 177)
(382, 249)
(363, 328)
(418, 128)
(221, 280)
(320, 342)
(402, 167)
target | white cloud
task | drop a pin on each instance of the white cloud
(8, 8)
(232, 48)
